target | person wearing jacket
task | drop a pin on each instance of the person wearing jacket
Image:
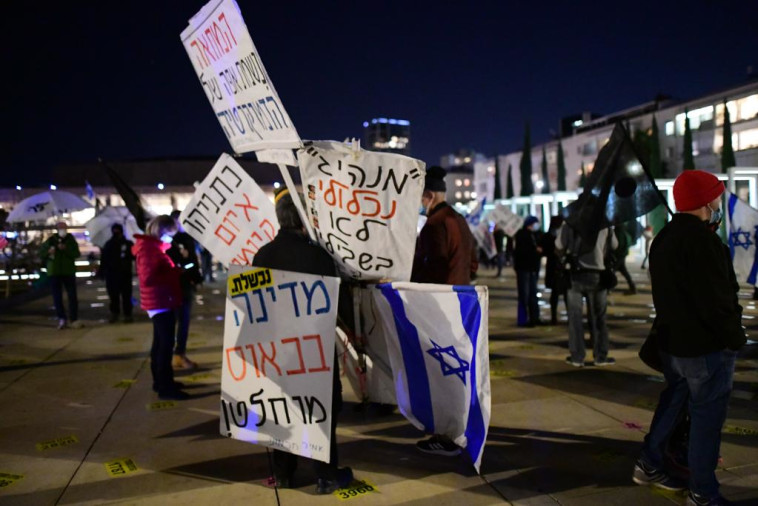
(160, 295)
(58, 253)
(526, 263)
(699, 330)
(292, 250)
(116, 265)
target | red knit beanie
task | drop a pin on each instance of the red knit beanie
(696, 188)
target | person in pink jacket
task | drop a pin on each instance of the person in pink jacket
(160, 294)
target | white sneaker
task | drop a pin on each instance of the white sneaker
(62, 324)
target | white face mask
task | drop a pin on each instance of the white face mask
(168, 239)
(62, 232)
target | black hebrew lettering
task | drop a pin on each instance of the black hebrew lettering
(253, 402)
(292, 285)
(311, 401)
(227, 168)
(391, 176)
(206, 196)
(213, 186)
(378, 178)
(362, 234)
(283, 400)
(354, 176)
(323, 164)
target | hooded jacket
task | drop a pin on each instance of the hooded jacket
(159, 278)
(62, 261)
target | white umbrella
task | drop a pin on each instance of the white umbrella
(46, 205)
(99, 227)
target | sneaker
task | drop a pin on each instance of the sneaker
(62, 324)
(438, 445)
(571, 361)
(173, 395)
(343, 479)
(605, 361)
(182, 362)
(646, 475)
(76, 324)
(694, 499)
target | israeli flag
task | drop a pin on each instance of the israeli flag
(743, 235)
(437, 340)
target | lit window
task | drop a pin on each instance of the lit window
(748, 107)
(473, 195)
(748, 139)
(458, 182)
(458, 195)
(467, 194)
(467, 159)
(466, 182)
(669, 128)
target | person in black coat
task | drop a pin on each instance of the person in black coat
(116, 265)
(555, 272)
(526, 263)
(699, 330)
(292, 250)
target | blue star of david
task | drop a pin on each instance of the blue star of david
(741, 238)
(439, 352)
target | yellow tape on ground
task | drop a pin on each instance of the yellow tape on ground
(357, 488)
(161, 405)
(7, 479)
(121, 467)
(198, 377)
(57, 443)
(742, 431)
(124, 384)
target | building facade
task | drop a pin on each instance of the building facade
(387, 135)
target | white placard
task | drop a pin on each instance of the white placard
(363, 207)
(229, 214)
(505, 219)
(235, 81)
(278, 360)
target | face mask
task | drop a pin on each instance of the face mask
(167, 238)
(62, 232)
(716, 216)
(422, 210)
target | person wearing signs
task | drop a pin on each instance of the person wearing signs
(445, 254)
(292, 250)
(160, 295)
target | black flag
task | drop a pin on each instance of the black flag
(618, 189)
(132, 200)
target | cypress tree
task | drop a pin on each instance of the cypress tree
(509, 186)
(689, 160)
(525, 165)
(498, 194)
(561, 169)
(545, 175)
(727, 152)
(582, 178)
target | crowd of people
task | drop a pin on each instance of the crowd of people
(694, 339)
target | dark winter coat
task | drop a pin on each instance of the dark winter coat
(694, 290)
(445, 249)
(293, 251)
(62, 261)
(159, 278)
(525, 254)
(116, 258)
(190, 265)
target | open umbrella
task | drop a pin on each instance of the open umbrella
(46, 205)
(99, 227)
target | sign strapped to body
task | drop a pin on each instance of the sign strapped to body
(278, 360)
(235, 81)
(363, 207)
(229, 214)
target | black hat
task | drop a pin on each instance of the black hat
(435, 179)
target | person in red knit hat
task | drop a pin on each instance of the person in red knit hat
(699, 328)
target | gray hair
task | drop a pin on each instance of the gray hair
(160, 225)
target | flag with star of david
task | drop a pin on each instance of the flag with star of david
(743, 236)
(437, 339)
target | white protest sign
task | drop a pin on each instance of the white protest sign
(229, 214)
(506, 219)
(363, 207)
(278, 361)
(235, 81)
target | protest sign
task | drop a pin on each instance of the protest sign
(363, 207)
(505, 219)
(234, 80)
(278, 360)
(229, 214)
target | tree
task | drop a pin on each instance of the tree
(583, 178)
(657, 217)
(689, 160)
(509, 186)
(545, 175)
(727, 152)
(561, 169)
(498, 194)
(525, 165)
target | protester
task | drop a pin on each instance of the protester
(499, 236)
(116, 266)
(620, 254)
(699, 330)
(160, 294)
(586, 283)
(555, 274)
(647, 233)
(445, 254)
(526, 263)
(58, 253)
(183, 252)
(207, 267)
(292, 250)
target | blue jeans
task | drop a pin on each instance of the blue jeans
(528, 308)
(587, 284)
(707, 382)
(57, 284)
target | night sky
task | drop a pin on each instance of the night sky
(112, 79)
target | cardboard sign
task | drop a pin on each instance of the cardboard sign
(234, 80)
(505, 219)
(278, 360)
(363, 207)
(229, 214)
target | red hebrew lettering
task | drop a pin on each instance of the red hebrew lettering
(229, 239)
(251, 347)
(243, 258)
(331, 197)
(222, 17)
(226, 218)
(392, 213)
(238, 350)
(317, 338)
(299, 355)
(269, 358)
(246, 206)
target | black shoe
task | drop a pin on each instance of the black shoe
(173, 395)
(343, 479)
(694, 499)
(646, 475)
(605, 361)
(437, 445)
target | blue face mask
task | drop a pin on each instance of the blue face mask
(716, 216)
(167, 238)
(422, 210)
